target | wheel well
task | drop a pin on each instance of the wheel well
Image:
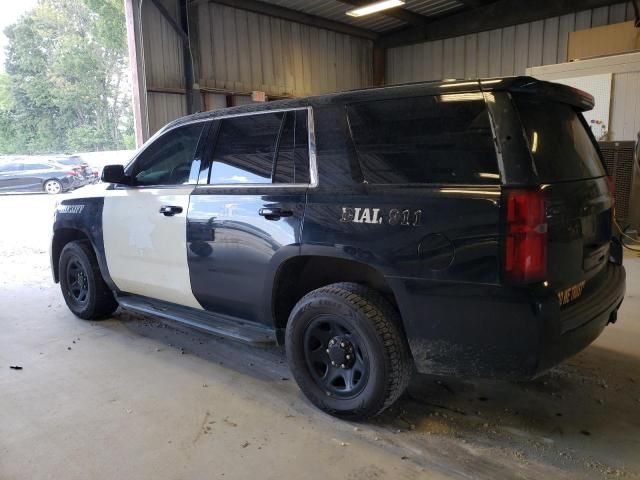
(61, 237)
(300, 275)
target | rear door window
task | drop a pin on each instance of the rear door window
(559, 141)
(444, 139)
(245, 148)
(292, 161)
(269, 148)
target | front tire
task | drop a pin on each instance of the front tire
(83, 288)
(52, 187)
(347, 351)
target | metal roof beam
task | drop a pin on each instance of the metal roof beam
(475, 3)
(172, 21)
(502, 13)
(277, 11)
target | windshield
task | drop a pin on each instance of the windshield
(562, 148)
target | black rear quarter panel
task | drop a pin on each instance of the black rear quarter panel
(444, 270)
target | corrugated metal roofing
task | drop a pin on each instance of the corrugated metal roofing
(245, 51)
(378, 22)
(432, 8)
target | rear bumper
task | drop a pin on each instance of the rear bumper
(79, 182)
(499, 332)
(569, 331)
(67, 183)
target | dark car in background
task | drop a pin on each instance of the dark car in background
(86, 174)
(20, 175)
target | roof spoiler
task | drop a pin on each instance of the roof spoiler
(583, 101)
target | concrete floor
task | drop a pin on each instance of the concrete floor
(131, 397)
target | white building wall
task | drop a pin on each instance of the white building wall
(624, 113)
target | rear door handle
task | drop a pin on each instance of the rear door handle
(170, 210)
(274, 213)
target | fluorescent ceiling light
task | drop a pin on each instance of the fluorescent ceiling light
(374, 7)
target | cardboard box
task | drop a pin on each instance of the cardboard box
(606, 40)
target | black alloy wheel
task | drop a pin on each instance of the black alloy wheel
(77, 282)
(347, 351)
(83, 288)
(336, 357)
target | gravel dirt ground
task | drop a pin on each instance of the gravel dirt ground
(132, 397)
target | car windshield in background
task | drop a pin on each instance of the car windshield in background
(68, 161)
(57, 165)
(561, 146)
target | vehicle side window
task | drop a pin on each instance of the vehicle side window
(244, 149)
(292, 162)
(11, 167)
(430, 139)
(262, 148)
(167, 161)
(36, 166)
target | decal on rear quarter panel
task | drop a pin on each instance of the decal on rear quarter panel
(376, 216)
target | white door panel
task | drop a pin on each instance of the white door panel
(146, 251)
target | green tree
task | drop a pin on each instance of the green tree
(66, 86)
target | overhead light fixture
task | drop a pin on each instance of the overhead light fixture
(374, 7)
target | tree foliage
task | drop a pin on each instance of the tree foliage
(66, 87)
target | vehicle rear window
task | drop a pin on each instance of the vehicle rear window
(561, 146)
(429, 139)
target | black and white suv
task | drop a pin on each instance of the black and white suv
(462, 227)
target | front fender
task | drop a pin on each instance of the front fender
(79, 219)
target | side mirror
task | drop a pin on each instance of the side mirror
(115, 174)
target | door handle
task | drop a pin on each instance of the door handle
(274, 213)
(170, 210)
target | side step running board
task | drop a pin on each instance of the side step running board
(215, 324)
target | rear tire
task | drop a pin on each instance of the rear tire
(52, 187)
(82, 285)
(347, 351)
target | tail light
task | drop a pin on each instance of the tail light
(73, 173)
(612, 188)
(526, 236)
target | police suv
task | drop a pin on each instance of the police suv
(460, 227)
